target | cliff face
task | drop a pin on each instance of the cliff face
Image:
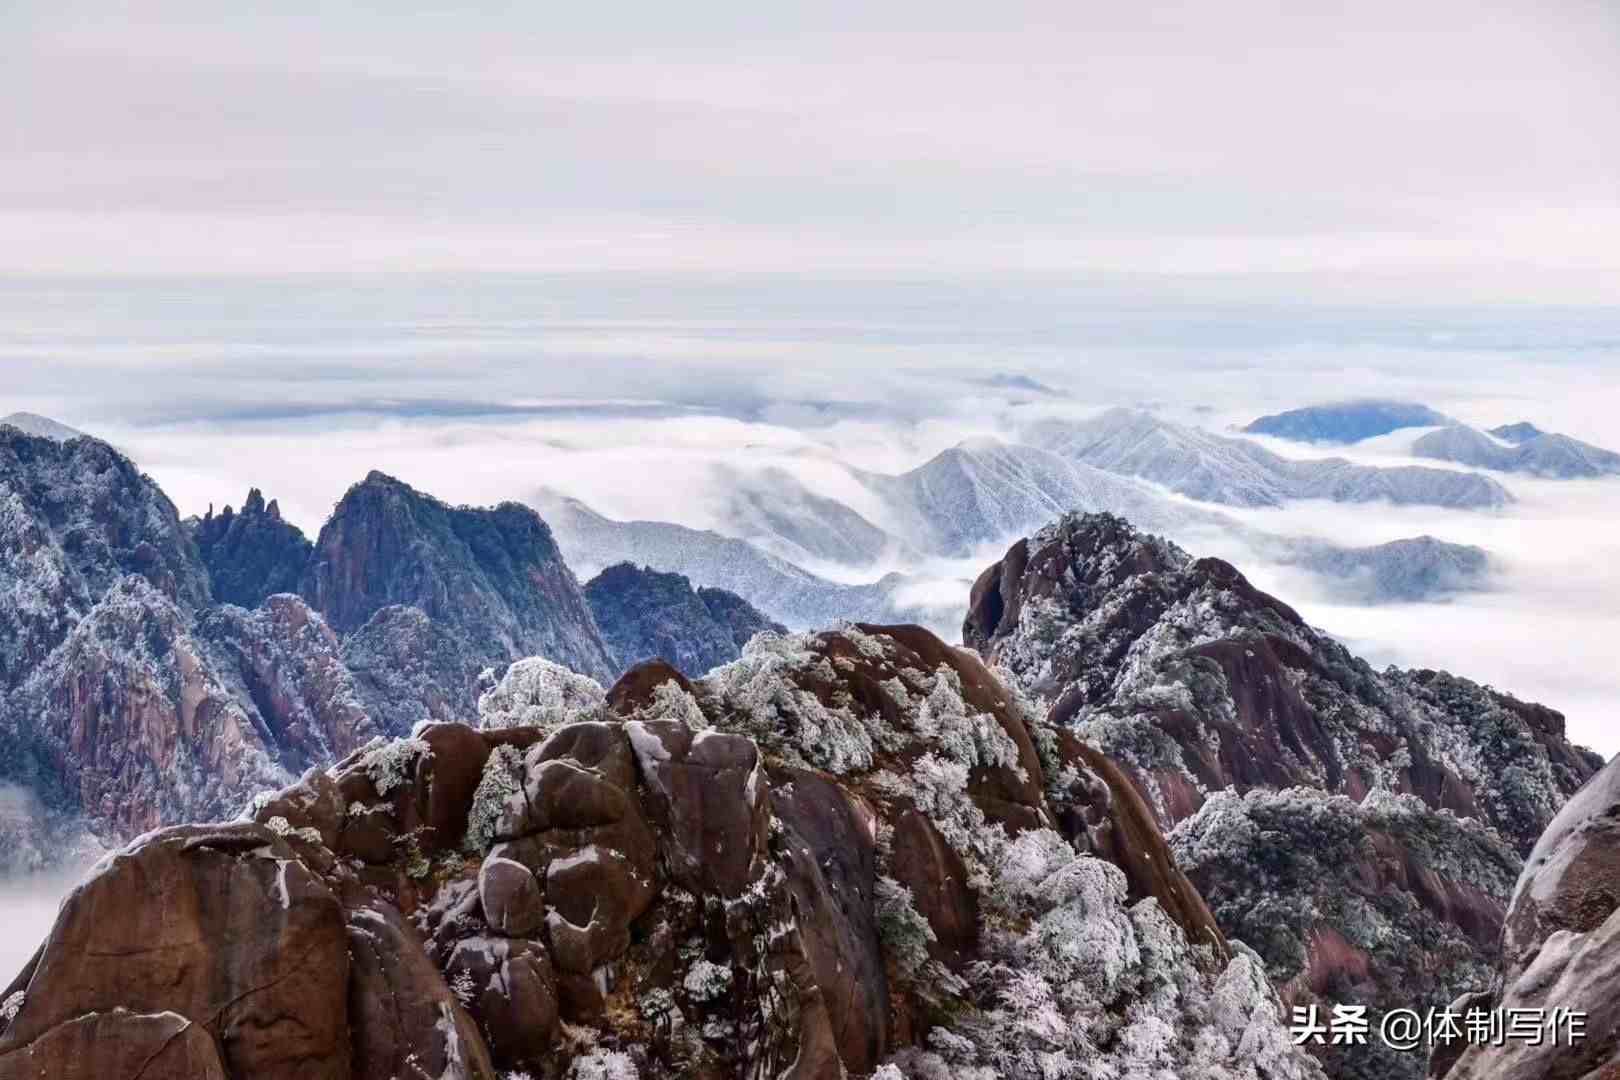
(1352, 825)
(1560, 950)
(154, 671)
(647, 615)
(492, 577)
(250, 555)
(847, 853)
(144, 718)
(76, 517)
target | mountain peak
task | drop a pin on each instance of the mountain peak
(42, 427)
(1523, 431)
(1347, 422)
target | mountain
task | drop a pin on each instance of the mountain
(774, 511)
(985, 491)
(1410, 570)
(850, 853)
(1517, 433)
(42, 427)
(1360, 829)
(153, 670)
(494, 577)
(647, 615)
(1532, 452)
(1237, 472)
(782, 591)
(1347, 422)
(251, 555)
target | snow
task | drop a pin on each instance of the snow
(540, 693)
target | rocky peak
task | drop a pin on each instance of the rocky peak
(1311, 798)
(645, 615)
(847, 853)
(493, 576)
(252, 554)
(74, 518)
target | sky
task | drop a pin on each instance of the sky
(1379, 151)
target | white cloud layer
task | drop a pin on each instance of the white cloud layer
(1365, 147)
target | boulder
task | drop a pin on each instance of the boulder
(708, 795)
(222, 926)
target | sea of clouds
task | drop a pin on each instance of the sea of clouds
(656, 400)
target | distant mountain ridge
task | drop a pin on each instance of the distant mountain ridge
(154, 670)
(1347, 422)
(648, 615)
(1213, 468)
(1531, 452)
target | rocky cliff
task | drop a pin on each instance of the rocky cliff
(648, 615)
(846, 853)
(1560, 952)
(492, 577)
(250, 555)
(1361, 829)
(154, 671)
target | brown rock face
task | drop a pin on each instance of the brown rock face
(148, 933)
(709, 797)
(1561, 947)
(404, 1021)
(634, 897)
(119, 1045)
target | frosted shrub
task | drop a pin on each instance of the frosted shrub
(769, 705)
(905, 934)
(539, 693)
(389, 762)
(503, 778)
(706, 981)
(670, 702)
(282, 827)
(12, 1006)
(604, 1065)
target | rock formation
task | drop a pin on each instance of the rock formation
(1354, 826)
(1560, 952)
(492, 577)
(647, 615)
(852, 853)
(250, 555)
(155, 671)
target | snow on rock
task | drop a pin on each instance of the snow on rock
(921, 901)
(1345, 822)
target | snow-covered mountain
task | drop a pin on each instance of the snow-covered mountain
(1346, 422)
(154, 670)
(1518, 448)
(42, 426)
(985, 491)
(591, 542)
(1401, 571)
(1213, 468)
(1361, 829)
(979, 493)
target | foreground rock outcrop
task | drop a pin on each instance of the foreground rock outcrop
(847, 853)
(1361, 829)
(1560, 951)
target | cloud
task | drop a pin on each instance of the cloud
(1158, 139)
(655, 397)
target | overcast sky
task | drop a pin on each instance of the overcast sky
(1463, 146)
